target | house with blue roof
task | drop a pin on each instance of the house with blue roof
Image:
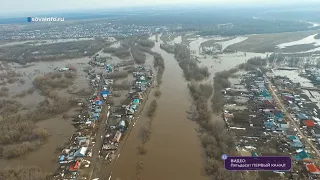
(135, 101)
(283, 126)
(108, 68)
(99, 103)
(62, 157)
(302, 116)
(134, 107)
(270, 124)
(303, 156)
(105, 94)
(279, 116)
(295, 142)
(81, 152)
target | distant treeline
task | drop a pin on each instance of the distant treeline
(206, 21)
(24, 53)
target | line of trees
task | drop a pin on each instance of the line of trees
(168, 48)
(47, 52)
(120, 52)
(138, 56)
(215, 139)
(158, 63)
(54, 80)
(190, 67)
(146, 43)
(117, 75)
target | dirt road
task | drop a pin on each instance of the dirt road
(99, 133)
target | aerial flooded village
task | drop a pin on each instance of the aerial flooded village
(160, 94)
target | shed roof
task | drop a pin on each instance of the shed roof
(104, 92)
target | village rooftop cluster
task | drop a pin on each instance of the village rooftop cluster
(80, 30)
(98, 113)
(263, 127)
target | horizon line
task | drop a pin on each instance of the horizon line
(9, 15)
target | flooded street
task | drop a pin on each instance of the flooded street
(174, 150)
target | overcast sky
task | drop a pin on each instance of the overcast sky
(26, 6)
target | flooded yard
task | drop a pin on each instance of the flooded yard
(32, 70)
(294, 76)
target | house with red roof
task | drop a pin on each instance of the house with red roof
(312, 168)
(308, 123)
(74, 166)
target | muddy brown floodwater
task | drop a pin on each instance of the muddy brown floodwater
(60, 129)
(174, 150)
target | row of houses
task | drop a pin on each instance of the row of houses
(79, 150)
(120, 120)
(305, 113)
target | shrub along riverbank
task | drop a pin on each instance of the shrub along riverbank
(190, 67)
(215, 138)
(158, 64)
